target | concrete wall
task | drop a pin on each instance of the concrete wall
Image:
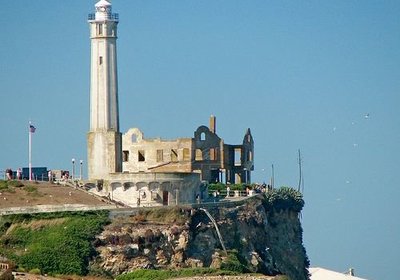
(152, 189)
(53, 208)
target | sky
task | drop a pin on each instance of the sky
(319, 76)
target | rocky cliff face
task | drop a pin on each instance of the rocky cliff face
(265, 241)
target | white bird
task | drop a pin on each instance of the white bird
(366, 116)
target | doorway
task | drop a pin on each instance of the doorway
(165, 198)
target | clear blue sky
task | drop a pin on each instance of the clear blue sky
(300, 74)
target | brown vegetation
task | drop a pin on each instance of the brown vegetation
(32, 194)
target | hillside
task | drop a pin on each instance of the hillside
(29, 194)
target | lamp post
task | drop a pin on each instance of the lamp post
(80, 169)
(73, 169)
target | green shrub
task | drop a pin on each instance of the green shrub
(233, 187)
(9, 186)
(217, 187)
(56, 243)
(35, 271)
(284, 198)
(232, 263)
(15, 184)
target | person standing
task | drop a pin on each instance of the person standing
(19, 174)
(50, 175)
(9, 173)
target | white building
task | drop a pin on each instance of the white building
(318, 273)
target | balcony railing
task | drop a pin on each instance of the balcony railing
(110, 16)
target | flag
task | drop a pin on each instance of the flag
(32, 129)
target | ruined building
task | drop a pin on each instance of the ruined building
(205, 153)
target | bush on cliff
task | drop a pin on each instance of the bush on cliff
(52, 243)
(284, 198)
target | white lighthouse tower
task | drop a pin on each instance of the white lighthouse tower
(104, 137)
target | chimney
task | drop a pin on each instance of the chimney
(213, 124)
(351, 271)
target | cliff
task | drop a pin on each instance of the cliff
(260, 234)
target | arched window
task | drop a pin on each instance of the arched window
(203, 136)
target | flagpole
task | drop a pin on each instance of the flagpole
(30, 152)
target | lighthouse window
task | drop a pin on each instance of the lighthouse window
(100, 60)
(100, 29)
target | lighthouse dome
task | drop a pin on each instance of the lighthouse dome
(103, 10)
(102, 3)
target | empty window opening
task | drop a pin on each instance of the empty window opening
(141, 156)
(199, 155)
(250, 156)
(100, 60)
(174, 155)
(125, 156)
(134, 138)
(126, 186)
(206, 154)
(186, 154)
(238, 156)
(160, 156)
(213, 154)
(203, 136)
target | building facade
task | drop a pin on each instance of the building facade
(205, 153)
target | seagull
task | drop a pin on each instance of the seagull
(366, 116)
(355, 145)
(334, 129)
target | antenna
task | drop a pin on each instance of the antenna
(273, 177)
(300, 172)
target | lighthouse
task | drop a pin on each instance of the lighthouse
(104, 138)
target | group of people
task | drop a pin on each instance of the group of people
(10, 174)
